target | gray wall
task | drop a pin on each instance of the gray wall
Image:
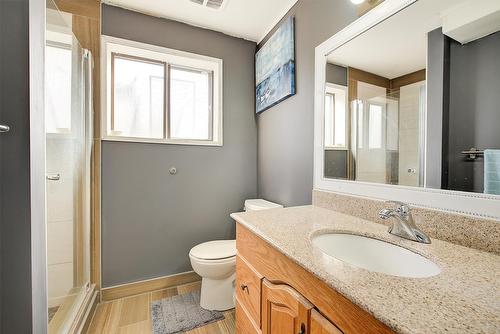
(285, 132)
(438, 48)
(474, 115)
(15, 238)
(151, 219)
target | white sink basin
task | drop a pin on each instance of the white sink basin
(375, 255)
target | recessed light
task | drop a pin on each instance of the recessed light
(357, 2)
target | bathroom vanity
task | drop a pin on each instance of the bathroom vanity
(285, 284)
(274, 293)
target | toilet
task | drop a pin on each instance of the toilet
(215, 262)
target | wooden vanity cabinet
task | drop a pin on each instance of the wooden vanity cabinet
(274, 295)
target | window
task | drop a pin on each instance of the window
(154, 94)
(190, 104)
(336, 117)
(138, 97)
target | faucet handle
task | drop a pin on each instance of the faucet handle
(402, 208)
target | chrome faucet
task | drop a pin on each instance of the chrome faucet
(403, 225)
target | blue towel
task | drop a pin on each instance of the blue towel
(492, 172)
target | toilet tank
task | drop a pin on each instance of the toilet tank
(260, 204)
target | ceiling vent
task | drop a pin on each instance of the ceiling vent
(212, 4)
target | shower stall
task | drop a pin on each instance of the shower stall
(68, 124)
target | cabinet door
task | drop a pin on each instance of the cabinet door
(321, 325)
(284, 310)
(248, 289)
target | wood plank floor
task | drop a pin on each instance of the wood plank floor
(133, 315)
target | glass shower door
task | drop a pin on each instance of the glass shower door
(68, 143)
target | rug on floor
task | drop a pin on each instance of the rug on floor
(181, 313)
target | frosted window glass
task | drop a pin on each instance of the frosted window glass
(329, 103)
(375, 127)
(190, 104)
(361, 125)
(340, 125)
(58, 89)
(139, 98)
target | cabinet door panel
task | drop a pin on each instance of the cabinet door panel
(248, 288)
(284, 310)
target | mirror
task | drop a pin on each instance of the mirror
(415, 100)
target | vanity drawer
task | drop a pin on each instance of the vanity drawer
(248, 288)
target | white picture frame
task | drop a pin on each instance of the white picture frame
(468, 203)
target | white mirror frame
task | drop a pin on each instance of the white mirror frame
(474, 204)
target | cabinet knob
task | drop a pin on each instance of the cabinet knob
(244, 287)
(302, 329)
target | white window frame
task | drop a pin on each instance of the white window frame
(112, 45)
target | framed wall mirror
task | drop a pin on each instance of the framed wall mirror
(407, 105)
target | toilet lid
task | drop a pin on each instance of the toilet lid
(260, 204)
(214, 250)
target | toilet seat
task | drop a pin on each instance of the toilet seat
(214, 251)
(213, 262)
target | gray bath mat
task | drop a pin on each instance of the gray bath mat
(181, 313)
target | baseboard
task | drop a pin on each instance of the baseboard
(136, 288)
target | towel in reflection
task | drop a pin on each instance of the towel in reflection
(492, 172)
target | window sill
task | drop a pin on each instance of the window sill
(164, 141)
(333, 148)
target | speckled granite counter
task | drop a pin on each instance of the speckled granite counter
(463, 298)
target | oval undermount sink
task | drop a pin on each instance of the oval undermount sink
(375, 255)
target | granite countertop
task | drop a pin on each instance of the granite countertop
(463, 298)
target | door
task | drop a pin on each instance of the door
(284, 310)
(68, 127)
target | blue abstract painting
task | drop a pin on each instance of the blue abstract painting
(275, 68)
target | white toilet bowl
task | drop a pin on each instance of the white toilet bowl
(215, 262)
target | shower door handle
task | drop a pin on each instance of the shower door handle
(4, 128)
(53, 177)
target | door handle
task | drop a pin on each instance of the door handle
(4, 128)
(53, 177)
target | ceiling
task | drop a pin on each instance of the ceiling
(398, 45)
(248, 19)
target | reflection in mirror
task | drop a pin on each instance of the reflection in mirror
(414, 100)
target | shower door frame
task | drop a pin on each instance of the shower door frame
(89, 298)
